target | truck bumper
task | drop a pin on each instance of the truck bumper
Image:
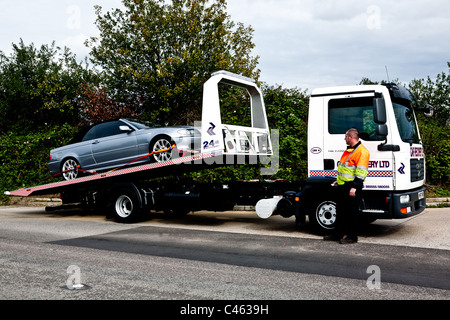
(408, 203)
(394, 204)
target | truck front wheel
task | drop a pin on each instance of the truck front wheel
(125, 206)
(323, 215)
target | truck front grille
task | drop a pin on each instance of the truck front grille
(417, 169)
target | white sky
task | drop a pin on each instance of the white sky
(301, 43)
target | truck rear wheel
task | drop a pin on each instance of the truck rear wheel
(323, 215)
(125, 206)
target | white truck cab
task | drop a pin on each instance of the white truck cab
(384, 117)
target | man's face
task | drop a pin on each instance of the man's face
(348, 139)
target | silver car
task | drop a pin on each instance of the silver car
(114, 144)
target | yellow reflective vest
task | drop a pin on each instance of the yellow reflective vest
(354, 164)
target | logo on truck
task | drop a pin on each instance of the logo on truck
(316, 150)
(211, 129)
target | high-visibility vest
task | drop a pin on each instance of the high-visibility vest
(354, 163)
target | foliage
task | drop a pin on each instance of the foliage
(24, 156)
(96, 106)
(39, 87)
(159, 54)
(435, 131)
(287, 111)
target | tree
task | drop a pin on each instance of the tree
(39, 87)
(435, 131)
(287, 111)
(158, 54)
(96, 106)
(38, 109)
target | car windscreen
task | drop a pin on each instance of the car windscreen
(142, 124)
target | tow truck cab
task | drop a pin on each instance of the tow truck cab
(384, 116)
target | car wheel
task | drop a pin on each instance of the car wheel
(69, 169)
(157, 147)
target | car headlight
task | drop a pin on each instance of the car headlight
(186, 132)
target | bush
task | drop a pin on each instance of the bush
(24, 156)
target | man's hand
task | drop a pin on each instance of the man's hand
(352, 192)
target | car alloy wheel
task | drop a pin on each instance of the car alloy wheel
(158, 146)
(70, 169)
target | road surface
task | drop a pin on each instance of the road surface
(217, 256)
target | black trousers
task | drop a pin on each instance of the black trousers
(347, 212)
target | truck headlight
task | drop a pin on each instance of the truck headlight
(405, 199)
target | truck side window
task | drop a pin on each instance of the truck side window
(352, 113)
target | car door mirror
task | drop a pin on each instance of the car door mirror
(125, 129)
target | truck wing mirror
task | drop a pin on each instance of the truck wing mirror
(379, 111)
(381, 130)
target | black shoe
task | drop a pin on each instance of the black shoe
(331, 237)
(348, 241)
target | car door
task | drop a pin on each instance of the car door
(113, 147)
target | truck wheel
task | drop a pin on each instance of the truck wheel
(323, 215)
(125, 206)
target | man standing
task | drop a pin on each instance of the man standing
(351, 173)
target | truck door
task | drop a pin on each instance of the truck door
(356, 111)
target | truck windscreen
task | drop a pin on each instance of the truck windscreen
(406, 123)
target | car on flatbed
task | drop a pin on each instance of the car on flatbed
(117, 143)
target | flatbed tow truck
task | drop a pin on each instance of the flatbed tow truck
(384, 114)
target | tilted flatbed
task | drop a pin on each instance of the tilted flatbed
(129, 191)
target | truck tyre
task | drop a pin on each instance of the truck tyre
(125, 206)
(323, 215)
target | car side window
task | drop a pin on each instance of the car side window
(90, 135)
(108, 129)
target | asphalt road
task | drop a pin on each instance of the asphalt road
(218, 256)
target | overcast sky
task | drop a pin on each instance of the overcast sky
(301, 43)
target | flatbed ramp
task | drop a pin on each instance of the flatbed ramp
(148, 171)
